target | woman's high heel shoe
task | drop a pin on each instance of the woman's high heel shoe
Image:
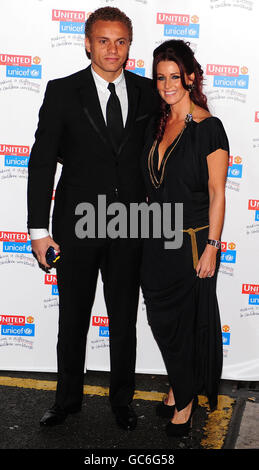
(165, 411)
(180, 430)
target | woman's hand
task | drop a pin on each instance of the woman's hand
(207, 262)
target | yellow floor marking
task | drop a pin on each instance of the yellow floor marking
(88, 389)
(28, 383)
(215, 429)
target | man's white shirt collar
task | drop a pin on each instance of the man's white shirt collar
(104, 93)
(102, 83)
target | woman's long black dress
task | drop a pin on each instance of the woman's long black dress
(182, 309)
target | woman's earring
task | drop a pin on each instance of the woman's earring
(191, 87)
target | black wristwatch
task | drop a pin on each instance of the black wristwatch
(215, 243)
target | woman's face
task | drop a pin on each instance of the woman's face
(169, 82)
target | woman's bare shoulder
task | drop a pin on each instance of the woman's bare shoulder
(199, 114)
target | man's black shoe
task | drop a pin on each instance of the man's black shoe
(53, 416)
(57, 415)
(126, 417)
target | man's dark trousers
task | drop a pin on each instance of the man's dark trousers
(118, 261)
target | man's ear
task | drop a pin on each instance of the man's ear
(87, 44)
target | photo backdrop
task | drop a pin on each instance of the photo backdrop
(43, 40)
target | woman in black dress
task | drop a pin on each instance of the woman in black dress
(185, 160)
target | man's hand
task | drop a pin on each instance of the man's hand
(40, 246)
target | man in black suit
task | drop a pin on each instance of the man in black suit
(76, 125)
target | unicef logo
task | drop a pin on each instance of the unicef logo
(192, 32)
(235, 172)
(241, 83)
(229, 258)
(27, 331)
(35, 73)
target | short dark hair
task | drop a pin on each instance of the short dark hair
(107, 14)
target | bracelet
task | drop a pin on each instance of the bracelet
(215, 243)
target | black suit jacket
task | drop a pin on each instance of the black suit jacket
(72, 128)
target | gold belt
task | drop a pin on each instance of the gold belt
(192, 233)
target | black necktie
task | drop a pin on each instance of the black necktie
(114, 117)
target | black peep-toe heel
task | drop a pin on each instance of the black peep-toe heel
(165, 411)
(180, 430)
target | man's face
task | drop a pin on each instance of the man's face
(109, 46)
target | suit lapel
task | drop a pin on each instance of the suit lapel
(92, 109)
(133, 100)
(91, 106)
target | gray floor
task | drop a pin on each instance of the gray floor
(94, 427)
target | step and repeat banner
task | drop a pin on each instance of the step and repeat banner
(43, 40)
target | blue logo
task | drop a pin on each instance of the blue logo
(11, 160)
(139, 71)
(253, 299)
(104, 331)
(257, 216)
(226, 339)
(235, 171)
(228, 256)
(71, 27)
(17, 247)
(231, 82)
(191, 31)
(13, 330)
(34, 71)
(54, 290)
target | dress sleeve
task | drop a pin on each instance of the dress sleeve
(212, 136)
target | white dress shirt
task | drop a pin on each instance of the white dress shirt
(103, 94)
